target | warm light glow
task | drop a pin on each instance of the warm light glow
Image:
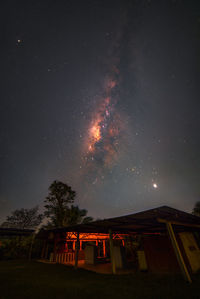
(95, 132)
(155, 186)
(104, 131)
(70, 236)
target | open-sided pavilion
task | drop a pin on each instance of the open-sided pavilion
(162, 239)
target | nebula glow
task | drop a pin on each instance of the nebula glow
(105, 130)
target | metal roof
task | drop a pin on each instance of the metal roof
(149, 221)
(4, 231)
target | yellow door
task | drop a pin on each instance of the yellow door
(191, 249)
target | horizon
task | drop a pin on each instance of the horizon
(103, 97)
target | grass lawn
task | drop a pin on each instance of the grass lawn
(22, 279)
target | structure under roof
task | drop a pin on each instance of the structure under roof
(153, 220)
(4, 231)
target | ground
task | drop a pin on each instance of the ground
(23, 279)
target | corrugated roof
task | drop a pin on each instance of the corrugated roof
(145, 222)
(4, 231)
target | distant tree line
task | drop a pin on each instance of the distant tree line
(23, 218)
(59, 211)
(196, 209)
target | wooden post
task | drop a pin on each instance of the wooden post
(111, 252)
(54, 248)
(31, 247)
(74, 245)
(178, 252)
(43, 249)
(77, 251)
(81, 245)
(104, 248)
(46, 251)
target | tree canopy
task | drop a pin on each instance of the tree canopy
(57, 202)
(75, 215)
(196, 209)
(24, 218)
(59, 206)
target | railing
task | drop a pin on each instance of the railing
(64, 258)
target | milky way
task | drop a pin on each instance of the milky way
(103, 96)
(105, 131)
(105, 135)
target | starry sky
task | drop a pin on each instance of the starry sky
(102, 95)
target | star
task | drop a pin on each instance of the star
(155, 186)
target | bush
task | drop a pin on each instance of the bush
(19, 247)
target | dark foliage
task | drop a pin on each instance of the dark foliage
(19, 248)
(75, 215)
(24, 218)
(59, 207)
(57, 202)
(196, 209)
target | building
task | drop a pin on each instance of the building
(7, 233)
(160, 240)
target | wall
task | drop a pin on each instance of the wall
(160, 255)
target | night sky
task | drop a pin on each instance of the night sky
(104, 96)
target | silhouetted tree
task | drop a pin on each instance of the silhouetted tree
(75, 215)
(24, 218)
(196, 209)
(59, 208)
(57, 202)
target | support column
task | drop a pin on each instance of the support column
(77, 251)
(112, 252)
(54, 248)
(31, 247)
(178, 252)
(46, 251)
(74, 245)
(104, 248)
(43, 249)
